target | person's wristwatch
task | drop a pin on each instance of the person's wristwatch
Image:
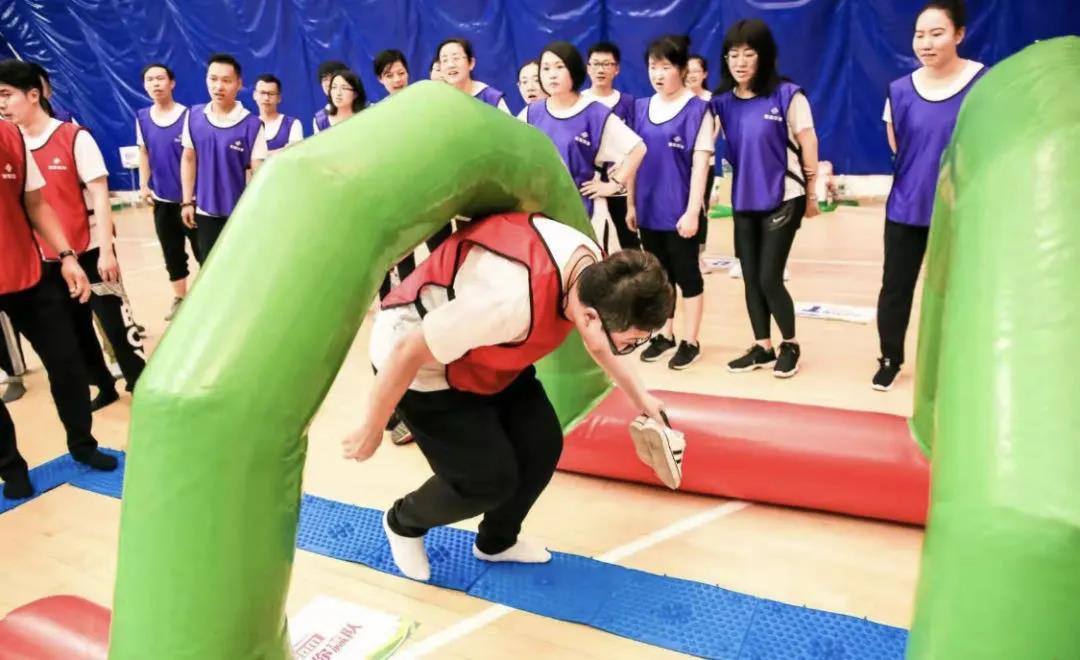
(186, 204)
(66, 253)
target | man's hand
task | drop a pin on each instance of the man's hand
(108, 267)
(631, 218)
(187, 215)
(361, 444)
(77, 282)
(654, 408)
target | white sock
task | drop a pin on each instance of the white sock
(523, 551)
(408, 553)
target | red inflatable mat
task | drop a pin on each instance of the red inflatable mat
(844, 461)
(56, 628)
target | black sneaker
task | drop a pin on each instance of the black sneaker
(105, 397)
(886, 375)
(686, 355)
(755, 358)
(18, 486)
(787, 362)
(658, 345)
(97, 460)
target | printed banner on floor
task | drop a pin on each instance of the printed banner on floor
(332, 629)
(831, 312)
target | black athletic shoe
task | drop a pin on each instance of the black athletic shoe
(686, 355)
(755, 358)
(98, 460)
(104, 398)
(18, 486)
(787, 362)
(658, 345)
(886, 375)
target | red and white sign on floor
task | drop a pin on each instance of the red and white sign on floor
(332, 629)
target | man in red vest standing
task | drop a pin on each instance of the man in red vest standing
(37, 307)
(454, 347)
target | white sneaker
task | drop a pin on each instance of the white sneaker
(523, 552)
(735, 271)
(408, 553)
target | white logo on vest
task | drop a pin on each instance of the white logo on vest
(583, 139)
(237, 146)
(57, 166)
(677, 143)
(9, 172)
(774, 114)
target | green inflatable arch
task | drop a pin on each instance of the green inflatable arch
(219, 424)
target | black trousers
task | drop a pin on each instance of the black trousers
(679, 257)
(408, 264)
(116, 322)
(763, 242)
(12, 361)
(207, 230)
(491, 455)
(703, 220)
(171, 234)
(41, 315)
(905, 246)
(617, 208)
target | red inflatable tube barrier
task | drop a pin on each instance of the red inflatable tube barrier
(843, 461)
(56, 628)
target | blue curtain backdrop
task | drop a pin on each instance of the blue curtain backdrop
(843, 52)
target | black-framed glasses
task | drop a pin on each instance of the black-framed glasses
(603, 65)
(629, 348)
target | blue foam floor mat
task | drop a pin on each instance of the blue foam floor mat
(680, 615)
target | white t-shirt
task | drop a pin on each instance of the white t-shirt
(491, 306)
(89, 164)
(661, 111)
(162, 120)
(34, 180)
(799, 118)
(258, 150)
(935, 93)
(296, 132)
(478, 87)
(610, 100)
(617, 140)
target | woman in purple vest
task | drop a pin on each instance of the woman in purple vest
(158, 133)
(772, 148)
(677, 128)
(326, 71)
(603, 62)
(347, 98)
(529, 82)
(920, 113)
(456, 63)
(697, 74)
(586, 134)
(392, 70)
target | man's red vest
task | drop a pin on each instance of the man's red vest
(63, 189)
(489, 369)
(20, 264)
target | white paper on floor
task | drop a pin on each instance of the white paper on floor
(717, 261)
(332, 629)
(830, 312)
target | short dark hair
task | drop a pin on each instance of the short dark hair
(954, 9)
(158, 65)
(565, 51)
(465, 44)
(330, 67)
(628, 289)
(386, 58)
(40, 72)
(25, 76)
(360, 102)
(699, 58)
(671, 47)
(225, 58)
(269, 78)
(756, 34)
(606, 47)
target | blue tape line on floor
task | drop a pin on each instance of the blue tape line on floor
(681, 615)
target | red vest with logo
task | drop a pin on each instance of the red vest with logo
(63, 189)
(20, 264)
(490, 369)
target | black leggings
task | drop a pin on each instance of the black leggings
(41, 315)
(208, 229)
(679, 257)
(617, 208)
(491, 455)
(703, 217)
(904, 249)
(171, 234)
(763, 242)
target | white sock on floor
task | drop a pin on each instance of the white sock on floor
(523, 551)
(408, 553)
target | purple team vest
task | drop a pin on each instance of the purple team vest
(322, 120)
(281, 140)
(624, 108)
(756, 133)
(222, 157)
(165, 147)
(664, 176)
(489, 95)
(577, 138)
(923, 130)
